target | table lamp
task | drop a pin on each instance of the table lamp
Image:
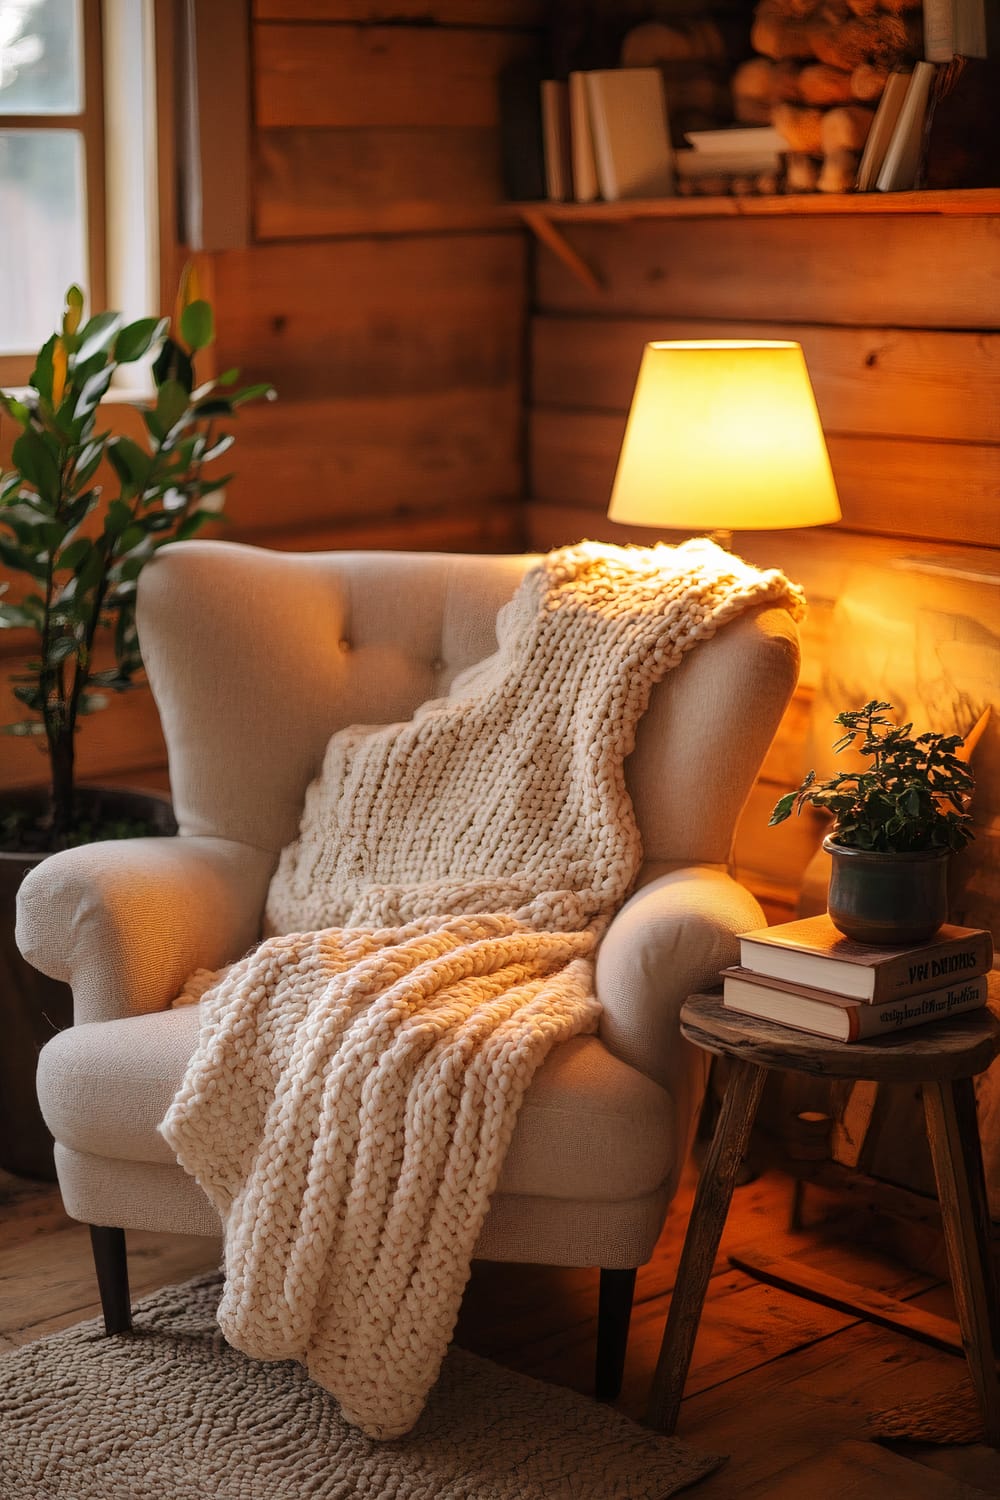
(723, 435)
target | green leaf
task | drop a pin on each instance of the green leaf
(218, 449)
(173, 363)
(171, 404)
(118, 517)
(16, 408)
(96, 337)
(73, 555)
(74, 310)
(91, 703)
(93, 392)
(24, 728)
(132, 463)
(131, 537)
(89, 573)
(136, 339)
(215, 406)
(16, 617)
(197, 325)
(13, 556)
(782, 810)
(30, 694)
(89, 459)
(62, 647)
(252, 392)
(38, 465)
(41, 375)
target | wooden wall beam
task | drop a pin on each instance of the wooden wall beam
(878, 381)
(878, 272)
(381, 180)
(380, 75)
(468, 13)
(931, 491)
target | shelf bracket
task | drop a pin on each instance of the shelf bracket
(544, 230)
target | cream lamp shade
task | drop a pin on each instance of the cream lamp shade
(723, 435)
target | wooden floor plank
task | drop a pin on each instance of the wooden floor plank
(854, 1471)
(782, 1385)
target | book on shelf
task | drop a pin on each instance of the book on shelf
(967, 28)
(839, 1018)
(881, 130)
(555, 131)
(718, 164)
(628, 120)
(753, 148)
(902, 157)
(584, 166)
(810, 951)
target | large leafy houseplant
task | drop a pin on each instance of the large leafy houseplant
(896, 822)
(84, 509)
(912, 796)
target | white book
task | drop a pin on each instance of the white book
(957, 27)
(555, 133)
(720, 164)
(755, 140)
(902, 158)
(881, 130)
(628, 118)
(939, 30)
(581, 141)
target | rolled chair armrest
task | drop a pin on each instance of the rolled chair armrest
(667, 942)
(125, 922)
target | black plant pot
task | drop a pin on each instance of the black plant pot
(887, 900)
(34, 1007)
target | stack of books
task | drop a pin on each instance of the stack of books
(807, 975)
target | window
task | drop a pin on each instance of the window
(51, 169)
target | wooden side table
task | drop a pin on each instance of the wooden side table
(943, 1058)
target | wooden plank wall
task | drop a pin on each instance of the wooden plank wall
(900, 321)
(384, 288)
(383, 291)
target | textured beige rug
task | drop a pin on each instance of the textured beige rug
(171, 1412)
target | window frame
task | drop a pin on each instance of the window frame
(16, 368)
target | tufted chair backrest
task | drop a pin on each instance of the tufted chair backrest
(255, 658)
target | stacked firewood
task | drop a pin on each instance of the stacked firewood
(820, 71)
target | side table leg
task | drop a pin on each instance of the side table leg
(701, 1243)
(950, 1110)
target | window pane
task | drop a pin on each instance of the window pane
(43, 245)
(40, 57)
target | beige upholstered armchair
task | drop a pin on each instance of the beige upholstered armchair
(255, 658)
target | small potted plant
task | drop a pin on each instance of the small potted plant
(896, 823)
(82, 511)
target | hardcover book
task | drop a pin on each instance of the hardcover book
(584, 167)
(628, 118)
(903, 154)
(812, 952)
(837, 1017)
(881, 131)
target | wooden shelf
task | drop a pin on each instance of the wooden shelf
(546, 220)
(959, 201)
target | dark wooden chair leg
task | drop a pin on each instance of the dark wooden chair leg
(613, 1313)
(111, 1264)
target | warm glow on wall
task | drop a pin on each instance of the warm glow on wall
(723, 435)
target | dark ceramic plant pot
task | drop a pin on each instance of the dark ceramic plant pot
(32, 1006)
(887, 899)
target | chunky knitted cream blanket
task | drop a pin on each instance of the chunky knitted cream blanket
(358, 1078)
